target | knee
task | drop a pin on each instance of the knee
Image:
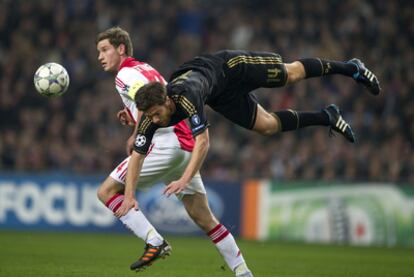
(108, 189)
(267, 125)
(103, 194)
(295, 72)
(267, 132)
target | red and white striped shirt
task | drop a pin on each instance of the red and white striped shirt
(135, 73)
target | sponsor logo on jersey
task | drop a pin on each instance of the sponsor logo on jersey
(140, 140)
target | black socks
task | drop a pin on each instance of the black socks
(292, 120)
(315, 67)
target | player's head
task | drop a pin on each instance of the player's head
(113, 44)
(152, 99)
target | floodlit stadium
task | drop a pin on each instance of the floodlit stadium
(109, 108)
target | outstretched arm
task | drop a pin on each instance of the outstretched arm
(132, 176)
(199, 153)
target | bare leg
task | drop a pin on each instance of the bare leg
(108, 189)
(266, 124)
(199, 211)
(295, 72)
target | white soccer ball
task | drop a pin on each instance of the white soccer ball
(51, 79)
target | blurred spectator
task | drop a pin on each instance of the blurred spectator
(79, 132)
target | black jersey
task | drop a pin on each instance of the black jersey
(188, 92)
(211, 66)
(223, 81)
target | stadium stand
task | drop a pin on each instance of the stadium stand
(79, 132)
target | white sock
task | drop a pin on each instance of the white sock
(241, 269)
(227, 246)
(136, 221)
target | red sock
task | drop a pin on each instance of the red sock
(227, 246)
(218, 233)
(115, 202)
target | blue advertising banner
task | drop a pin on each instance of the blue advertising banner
(68, 203)
(52, 202)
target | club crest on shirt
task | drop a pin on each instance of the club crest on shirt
(195, 119)
(140, 140)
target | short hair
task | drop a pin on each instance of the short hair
(116, 37)
(150, 95)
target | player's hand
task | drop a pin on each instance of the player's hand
(175, 187)
(130, 145)
(124, 117)
(127, 204)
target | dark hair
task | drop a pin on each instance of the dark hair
(150, 95)
(116, 37)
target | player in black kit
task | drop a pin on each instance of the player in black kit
(224, 81)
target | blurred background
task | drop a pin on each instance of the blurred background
(78, 134)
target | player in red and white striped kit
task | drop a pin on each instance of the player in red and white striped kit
(169, 155)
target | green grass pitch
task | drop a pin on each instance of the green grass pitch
(80, 254)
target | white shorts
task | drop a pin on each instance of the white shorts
(162, 165)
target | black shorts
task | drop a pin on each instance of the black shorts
(245, 71)
(231, 76)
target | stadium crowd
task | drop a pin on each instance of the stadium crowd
(80, 133)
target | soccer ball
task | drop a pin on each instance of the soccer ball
(51, 79)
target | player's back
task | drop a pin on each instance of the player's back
(215, 68)
(210, 65)
(133, 73)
